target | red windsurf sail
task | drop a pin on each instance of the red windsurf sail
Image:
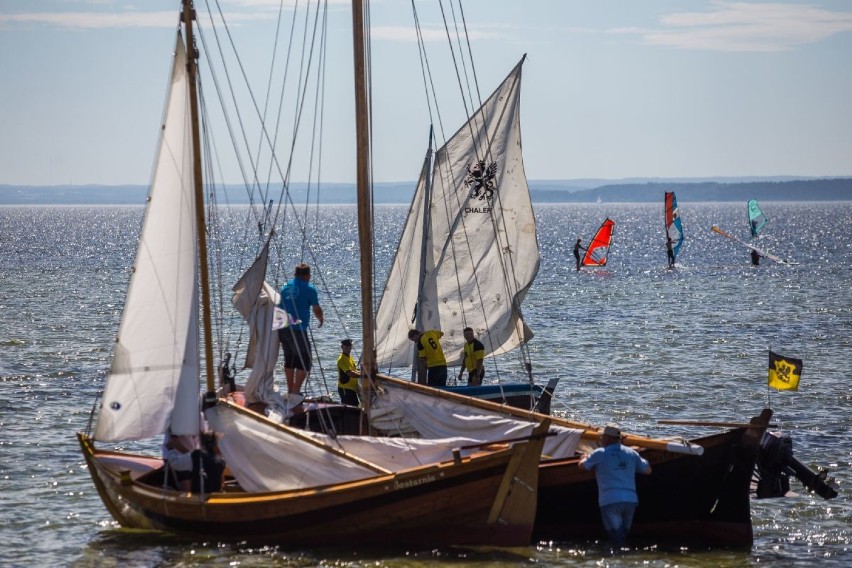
(598, 249)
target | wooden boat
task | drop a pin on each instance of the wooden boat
(314, 492)
(485, 499)
(698, 493)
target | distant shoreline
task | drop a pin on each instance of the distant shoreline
(544, 191)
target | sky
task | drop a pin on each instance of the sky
(611, 88)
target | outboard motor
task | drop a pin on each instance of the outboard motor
(775, 465)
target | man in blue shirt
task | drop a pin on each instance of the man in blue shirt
(298, 298)
(615, 468)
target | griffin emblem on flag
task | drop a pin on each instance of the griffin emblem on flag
(784, 372)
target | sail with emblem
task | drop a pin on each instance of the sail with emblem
(756, 218)
(469, 251)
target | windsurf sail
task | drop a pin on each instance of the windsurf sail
(598, 250)
(761, 252)
(674, 228)
(756, 218)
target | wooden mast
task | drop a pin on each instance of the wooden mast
(192, 54)
(365, 202)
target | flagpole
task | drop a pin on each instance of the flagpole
(768, 388)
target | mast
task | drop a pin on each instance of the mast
(424, 247)
(192, 54)
(365, 204)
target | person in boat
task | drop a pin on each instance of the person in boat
(177, 455)
(474, 359)
(615, 468)
(347, 375)
(298, 299)
(208, 466)
(430, 356)
(755, 258)
(670, 251)
(577, 248)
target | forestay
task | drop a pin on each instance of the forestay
(153, 380)
(481, 250)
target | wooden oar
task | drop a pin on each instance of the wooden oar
(715, 424)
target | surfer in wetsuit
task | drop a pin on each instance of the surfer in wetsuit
(755, 258)
(670, 252)
(577, 247)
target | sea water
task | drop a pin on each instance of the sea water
(632, 343)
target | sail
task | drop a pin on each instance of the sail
(155, 365)
(598, 250)
(756, 218)
(480, 254)
(674, 228)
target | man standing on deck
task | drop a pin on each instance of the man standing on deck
(347, 375)
(577, 248)
(430, 357)
(473, 357)
(615, 468)
(298, 298)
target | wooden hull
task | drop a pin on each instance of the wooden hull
(486, 500)
(697, 500)
(687, 499)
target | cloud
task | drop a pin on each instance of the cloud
(91, 20)
(237, 10)
(409, 34)
(746, 26)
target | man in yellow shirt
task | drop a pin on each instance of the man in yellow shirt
(430, 355)
(347, 375)
(474, 356)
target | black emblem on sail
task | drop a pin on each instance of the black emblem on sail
(480, 180)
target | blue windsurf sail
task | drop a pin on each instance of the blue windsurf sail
(756, 218)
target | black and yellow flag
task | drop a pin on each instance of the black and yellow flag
(784, 372)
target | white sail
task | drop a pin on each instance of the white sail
(155, 364)
(481, 250)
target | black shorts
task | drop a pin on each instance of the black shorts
(436, 376)
(297, 348)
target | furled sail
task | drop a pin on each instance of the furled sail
(469, 244)
(153, 381)
(674, 228)
(598, 250)
(756, 218)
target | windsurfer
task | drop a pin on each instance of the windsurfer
(615, 468)
(298, 298)
(755, 258)
(577, 247)
(430, 354)
(473, 355)
(670, 252)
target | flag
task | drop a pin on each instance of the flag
(784, 372)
